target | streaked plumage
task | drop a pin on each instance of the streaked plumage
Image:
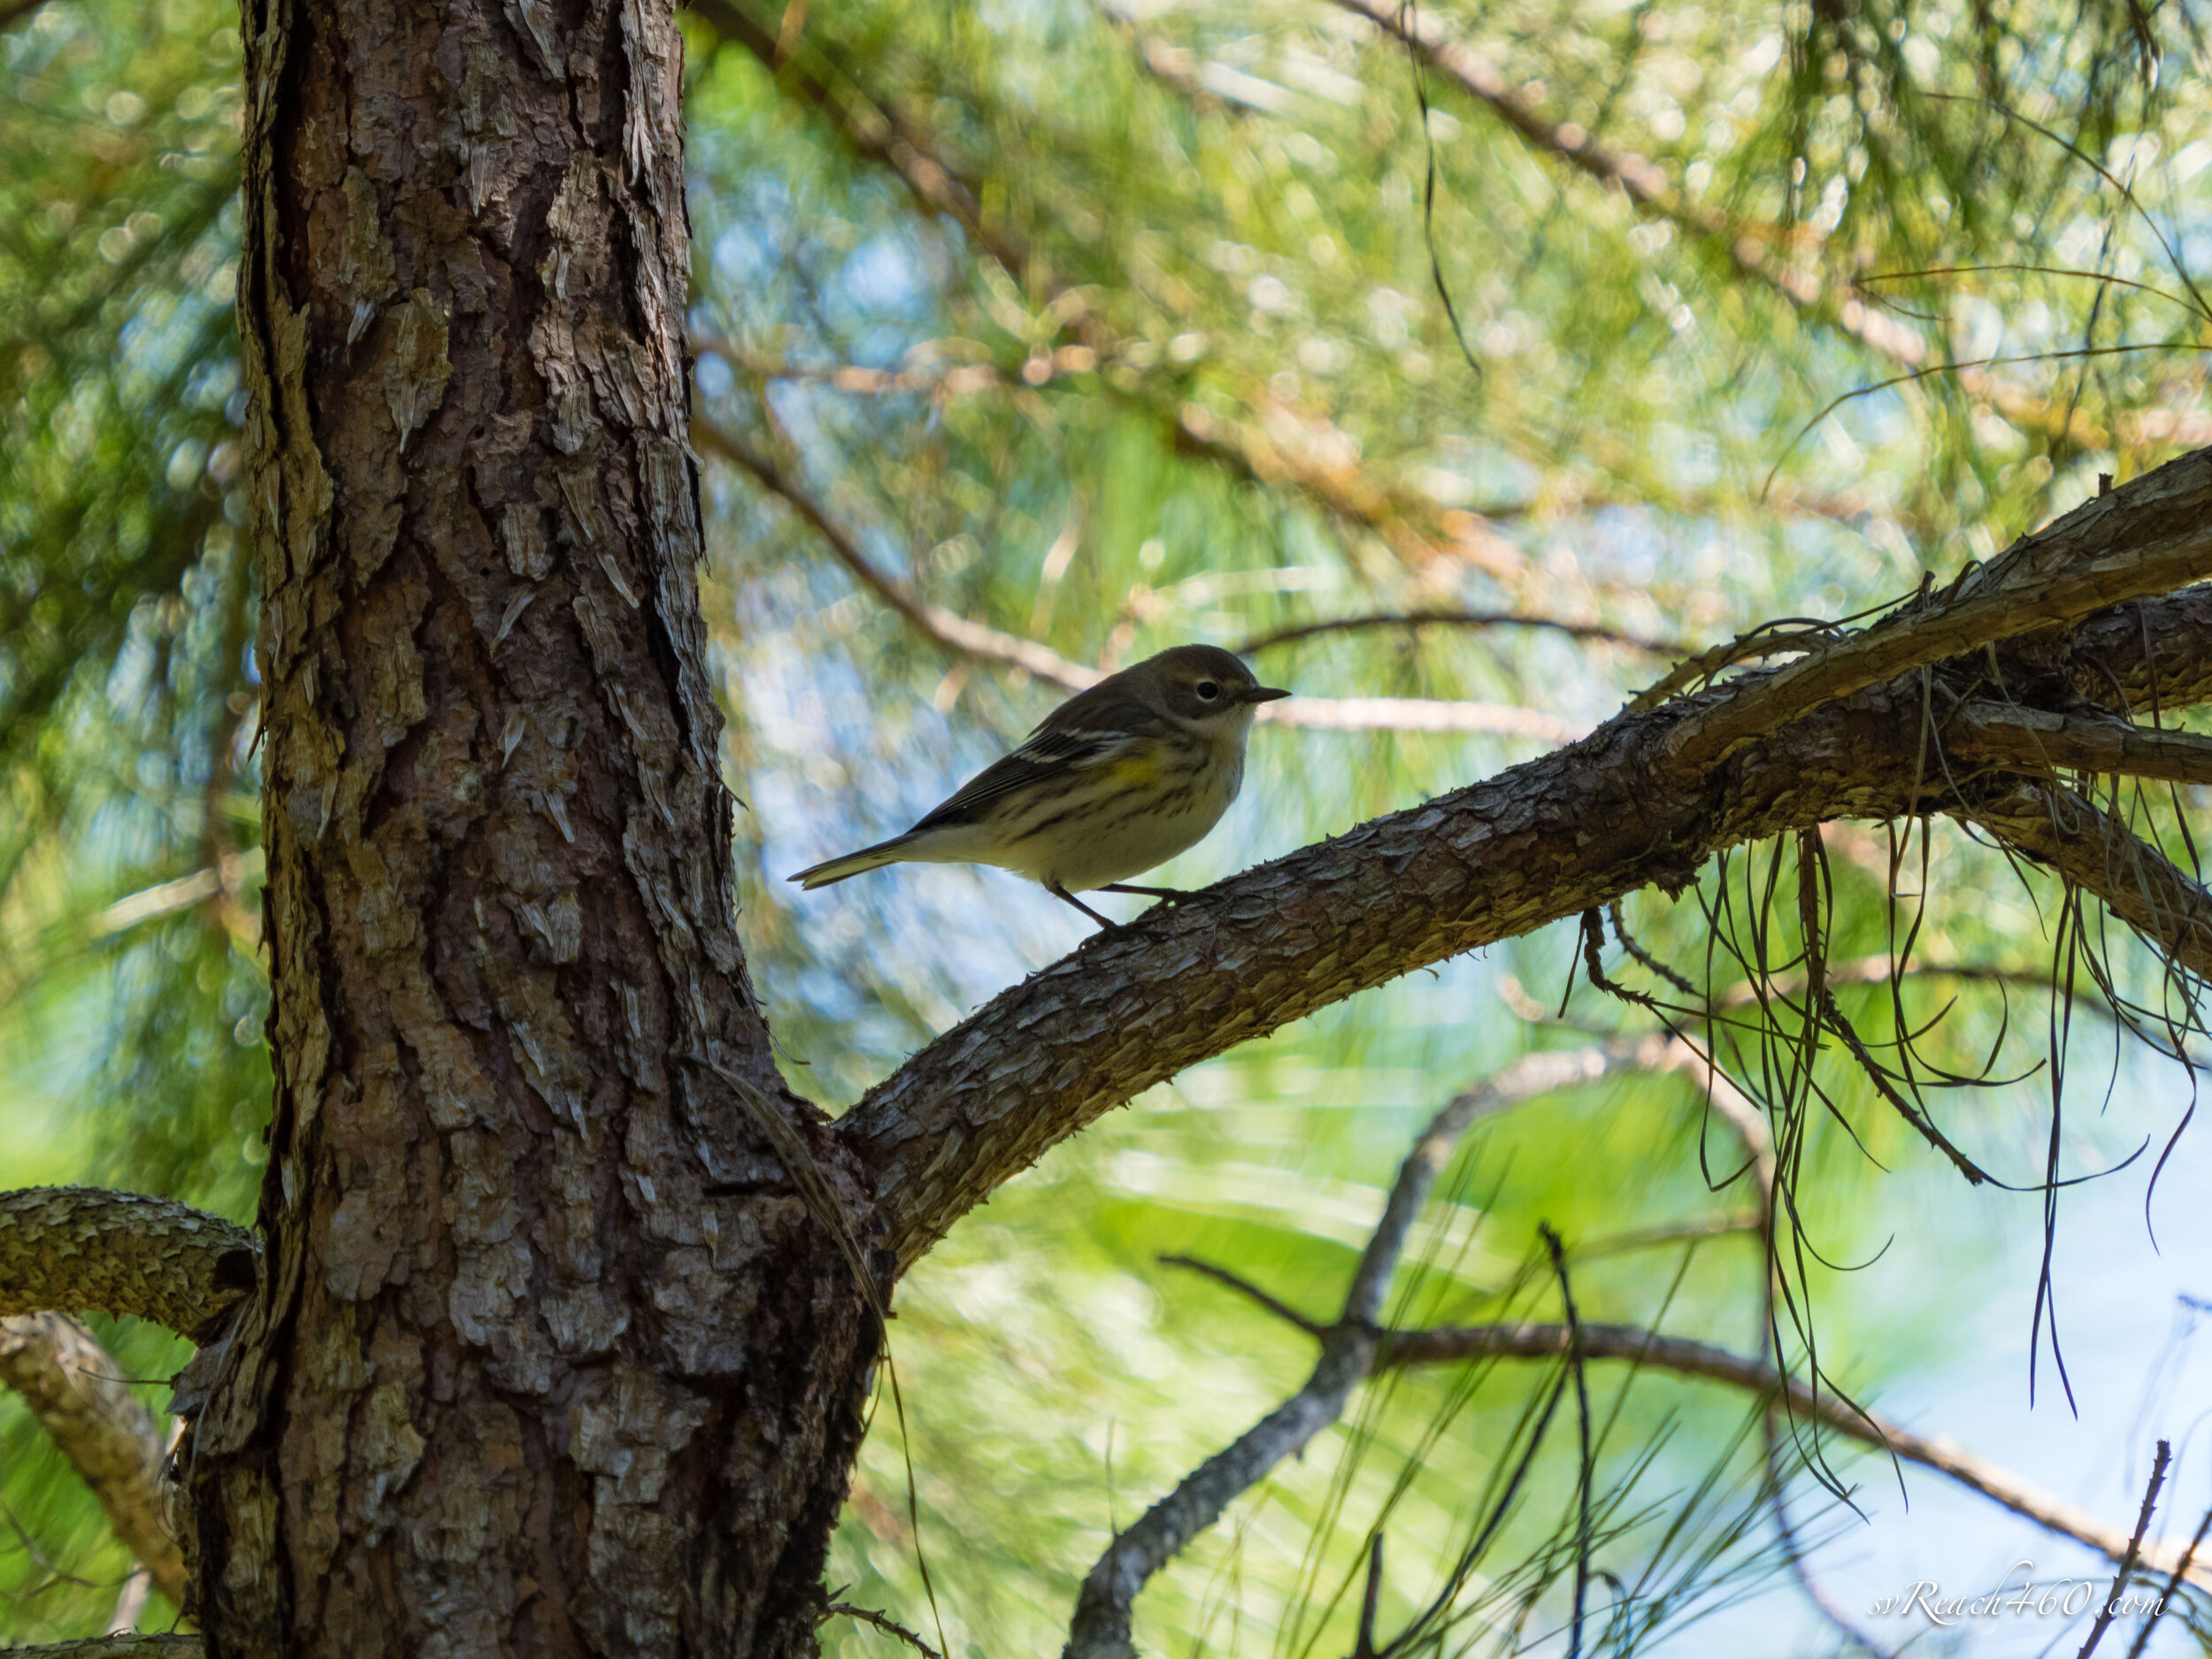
(1115, 780)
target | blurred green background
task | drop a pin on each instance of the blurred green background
(1222, 337)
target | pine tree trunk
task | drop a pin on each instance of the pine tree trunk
(550, 1358)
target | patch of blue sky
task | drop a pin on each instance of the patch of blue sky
(748, 251)
(882, 275)
(715, 378)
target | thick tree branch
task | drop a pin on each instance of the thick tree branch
(1685, 1359)
(2141, 659)
(119, 1647)
(2037, 740)
(984, 643)
(81, 1247)
(2100, 854)
(76, 1389)
(1547, 839)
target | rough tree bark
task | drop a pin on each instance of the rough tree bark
(547, 1357)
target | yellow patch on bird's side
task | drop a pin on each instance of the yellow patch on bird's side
(1136, 767)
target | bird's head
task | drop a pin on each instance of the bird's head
(1206, 684)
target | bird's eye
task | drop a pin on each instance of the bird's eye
(1207, 690)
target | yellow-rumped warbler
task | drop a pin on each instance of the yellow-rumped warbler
(1117, 780)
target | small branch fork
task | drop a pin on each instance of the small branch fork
(1349, 1350)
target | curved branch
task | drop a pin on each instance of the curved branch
(1635, 804)
(2149, 656)
(1452, 1344)
(1545, 840)
(1356, 1345)
(82, 1248)
(2100, 854)
(120, 1646)
(74, 1388)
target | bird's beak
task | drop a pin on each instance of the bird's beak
(1264, 693)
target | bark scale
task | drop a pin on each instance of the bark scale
(549, 1357)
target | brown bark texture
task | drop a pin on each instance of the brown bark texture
(82, 1249)
(549, 1356)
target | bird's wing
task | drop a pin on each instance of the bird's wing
(1048, 752)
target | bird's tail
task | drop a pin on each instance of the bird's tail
(875, 857)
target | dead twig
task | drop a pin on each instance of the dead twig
(2106, 1613)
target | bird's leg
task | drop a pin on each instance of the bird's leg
(1106, 923)
(1167, 896)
